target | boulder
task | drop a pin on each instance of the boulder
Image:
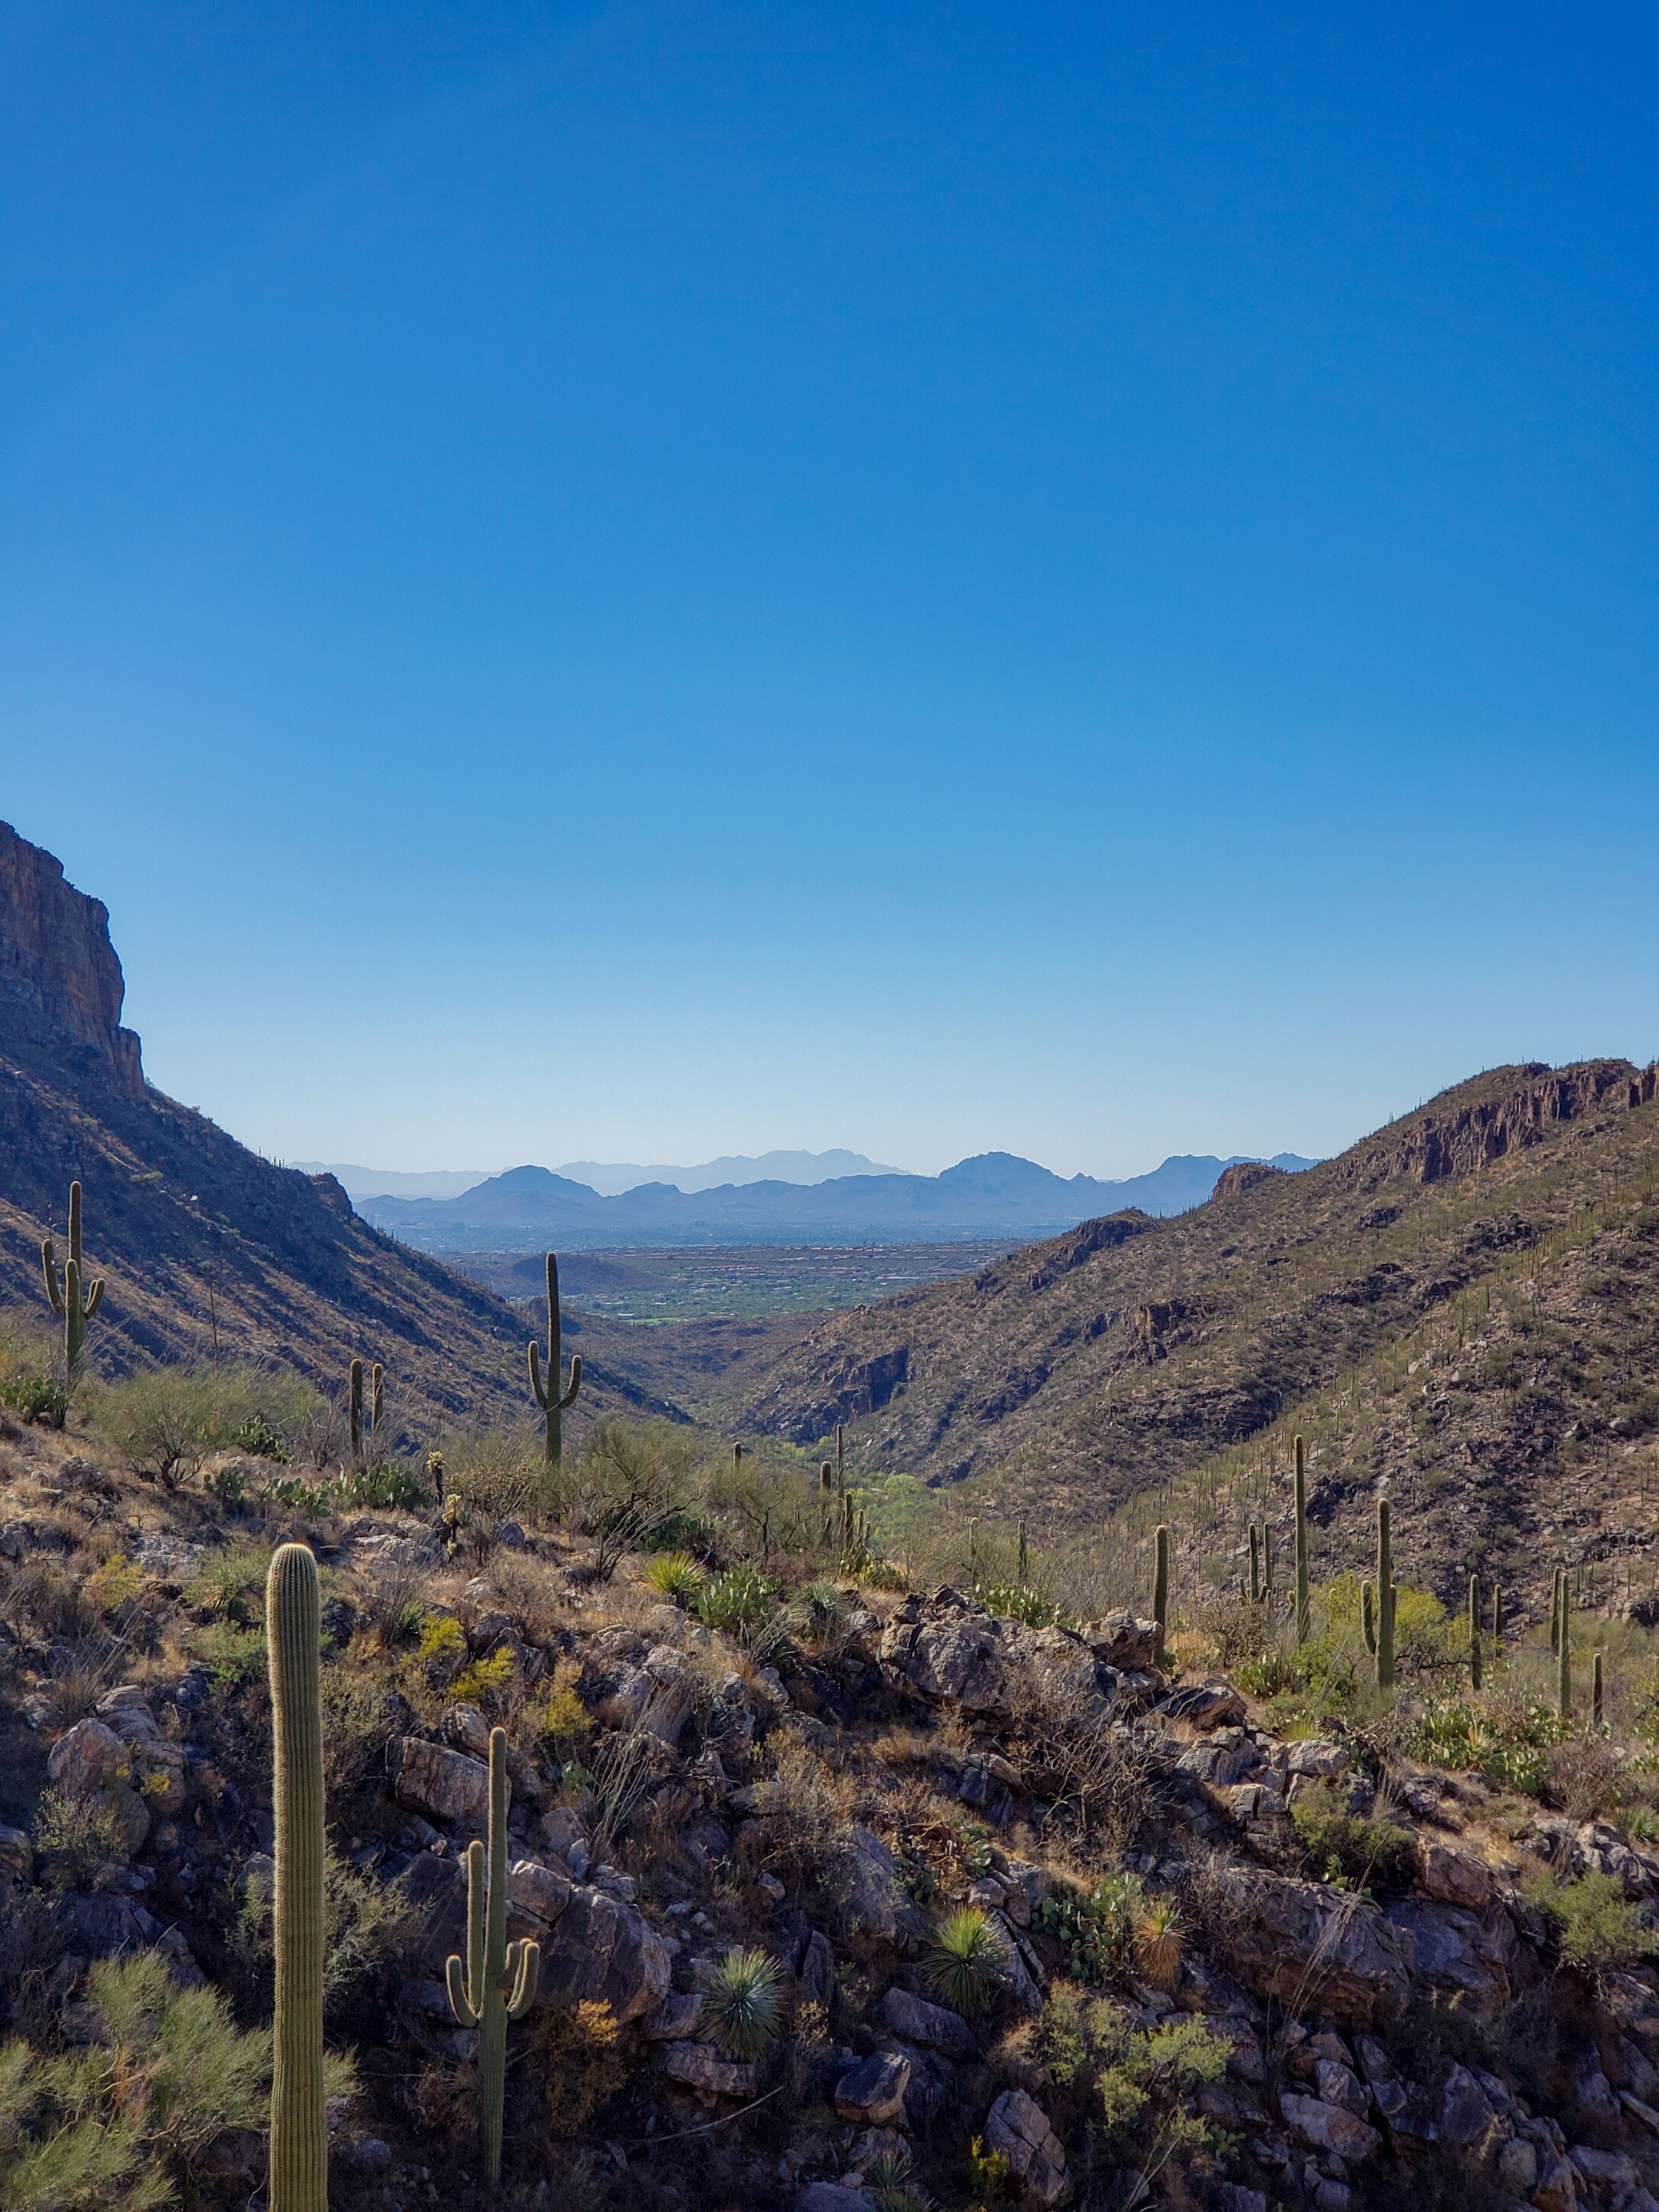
(540, 1893)
(85, 1759)
(833, 2196)
(868, 1880)
(1517, 2166)
(365, 2155)
(444, 1785)
(1337, 2085)
(1328, 2127)
(702, 2066)
(467, 1729)
(1304, 1936)
(1211, 1703)
(1557, 2187)
(16, 1854)
(1451, 1877)
(1018, 2126)
(952, 1651)
(912, 2020)
(1598, 1849)
(1608, 2171)
(676, 2018)
(1465, 2113)
(1122, 1642)
(599, 1948)
(1449, 1948)
(1316, 1758)
(872, 2092)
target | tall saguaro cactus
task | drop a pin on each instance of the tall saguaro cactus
(1161, 1591)
(1564, 1655)
(1474, 1631)
(499, 1984)
(1255, 1564)
(1303, 1613)
(299, 2124)
(547, 1394)
(1385, 1596)
(74, 1306)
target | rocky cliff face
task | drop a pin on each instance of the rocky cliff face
(58, 966)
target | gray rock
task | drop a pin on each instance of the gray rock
(676, 2018)
(1233, 2197)
(1018, 2126)
(1465, 2114)
(1337, 2085)
(702, 2067)
(1211, 1704)
(1517, 2166)
(868, 1881)
(16, 1853)
(815, 1970)
(833, 2196)
(1450, 1876)
(446, 1785)
(872, 2092)
(600, 1948)
(1317, 1758)
(1328, 2127)
(1453, 1949)
(541, 1893)
(912, 2020)
(467, 1729)
(1301, 1934)
(85, 1759)
(362, 2154)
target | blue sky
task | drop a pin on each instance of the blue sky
(638, 582)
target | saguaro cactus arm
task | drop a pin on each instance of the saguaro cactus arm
(524, 1967)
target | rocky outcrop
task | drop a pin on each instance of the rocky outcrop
(1018, 2126)
(1243, 1175)
(950, 1650)
(443, 1784)
(59, 972)
(1456, 1140)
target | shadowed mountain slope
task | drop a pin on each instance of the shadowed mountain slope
(192, 1230)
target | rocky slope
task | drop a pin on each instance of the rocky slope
(1410, 2030)
(1465, 1300)
(197, 1236)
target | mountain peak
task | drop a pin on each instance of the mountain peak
(62, 981)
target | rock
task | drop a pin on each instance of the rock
(912, 2020)
(1609, 2172)
(1517, 2166)
(832, 2196)
(1451, 1877)
(953, 1652)
(702, 2067)
(127, 1710)
(1302, 1935)
(1465, 2113)
(815, 1970)
(83, 1760)
(868, 1880)
(446, 1785)
(600, 1947)
(467, 1728)
(16, 1854)
(1557, 2187)
(872, 2092)
(1598, 1849)
(1328, 2127)
(362, 2154)
(1317, 1759)
(1211, 1703)
(675, 2019)
(540, 1892)
(1233, 2197)
(1337, 2085)
(1018, 2126)
(1452, 1949)
(1121, 1641)
(622, 1696)
(1643, 2115)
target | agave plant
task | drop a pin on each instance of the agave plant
(678, 1576)
(741, 2003)
(1158, 1944)
(965, 1959)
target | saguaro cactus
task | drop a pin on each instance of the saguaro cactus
(299, 2124)
(1255, 1564)
(1304, 1612)
(1557, 1592)
(377, 1405)
(547, 1394)
(826, 1495)
(1496, 1615)
(1474, 1631)
(1564, 1657)
(355, 1411)
(499, 1983)
(1161, 1591)
(1386, 1594)
(1024, 1573)
(1595, 1691)
(74, 1307)
(1368, 1616)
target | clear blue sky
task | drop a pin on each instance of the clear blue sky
(642, 582)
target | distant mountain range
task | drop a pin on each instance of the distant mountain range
(995, 1194)
(608, 1177)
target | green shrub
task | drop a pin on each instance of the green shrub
(964, 1961)
(233, 1656)
(30, 1383)
(256, 1437)
(168, 1419)
(1345, 1849)
(1595, 1923)
(1510, 1746)
(1131, 2080)
(78, 1834)
(677, 1576)
(741, 2003)
(1018, 1602)
(230, 1584)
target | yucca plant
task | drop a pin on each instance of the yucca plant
(677, 1576)
(965, 1960)
(1158, 1944)
(741, 2004)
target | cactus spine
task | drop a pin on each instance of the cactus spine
(547, 1394)
(73, 1307)
(1474, 1631)
(298, 2124)
(499, 1981)
(1386, 1594)
(1161, 1592)
(1303, 1613)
